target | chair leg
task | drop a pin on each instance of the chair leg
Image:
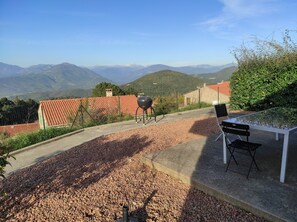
(253, 161)
(221, 134)
(233, 157)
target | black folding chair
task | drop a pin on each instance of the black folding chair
(240, 145)
(221, 114)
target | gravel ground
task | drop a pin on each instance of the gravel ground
(92, 182)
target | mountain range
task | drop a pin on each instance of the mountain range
(125, 74)
(54, 80)
(218, 76)
(42, 78)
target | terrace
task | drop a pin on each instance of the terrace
(90, 175)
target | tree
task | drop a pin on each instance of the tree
(130, 91)
(100, 89)
(17, 111)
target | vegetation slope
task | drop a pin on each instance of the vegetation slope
(165, 82)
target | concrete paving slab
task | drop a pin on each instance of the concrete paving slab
(200, 164)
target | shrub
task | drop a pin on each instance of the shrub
(165, 104)
(266, 75)
(23, 140)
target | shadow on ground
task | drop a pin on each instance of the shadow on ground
(76, 168)
(199, 163)
(259, 194)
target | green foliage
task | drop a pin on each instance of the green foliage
(23, 140)
(3, 163)
(165, 104)
(266, 75)
(130, 91)
(4, 153)
(165, 82)
(100, 89)
(17, 111)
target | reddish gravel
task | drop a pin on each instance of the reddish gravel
(92, 182)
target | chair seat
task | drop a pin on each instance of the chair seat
(244, 145)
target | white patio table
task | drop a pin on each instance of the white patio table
(277, 120)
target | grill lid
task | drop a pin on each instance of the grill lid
(144, 102)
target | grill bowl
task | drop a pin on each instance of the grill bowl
(144, 102)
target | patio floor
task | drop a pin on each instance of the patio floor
(200, 163)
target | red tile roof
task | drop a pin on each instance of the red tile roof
(57, 112)
(223, 87)
(12, 130)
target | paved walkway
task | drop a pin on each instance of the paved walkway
(31, 155)
(199, 163)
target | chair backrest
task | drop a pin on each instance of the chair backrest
(236, 128)
(221, 110)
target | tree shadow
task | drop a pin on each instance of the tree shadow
(141, 213)
(76, 168)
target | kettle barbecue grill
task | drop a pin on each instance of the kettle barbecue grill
(144, 102)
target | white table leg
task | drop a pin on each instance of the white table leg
(224, 149)
(284, 158)
(276, 136)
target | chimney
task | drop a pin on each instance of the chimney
(108, 92)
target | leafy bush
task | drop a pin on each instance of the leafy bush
(165, 104)
(266, 75)
(4, 154)
(3, 163)
(23, 140)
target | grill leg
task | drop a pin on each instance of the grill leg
(143, 120)
(153, 111)
(136, 114)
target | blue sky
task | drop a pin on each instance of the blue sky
(123, 32)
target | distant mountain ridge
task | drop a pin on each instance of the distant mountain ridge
(125, 74)
(52, 80)
(7, 70)
(44, 78)
(215, 77)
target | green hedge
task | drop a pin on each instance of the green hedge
(266, 77)
(23, 140)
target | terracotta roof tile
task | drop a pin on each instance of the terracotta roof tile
(58, 112)
(223, 87)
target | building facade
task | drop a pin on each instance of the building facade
(212, 94)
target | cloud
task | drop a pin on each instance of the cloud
(234, 11)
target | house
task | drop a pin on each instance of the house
(62, 112)
(13, 130)
(213, 94)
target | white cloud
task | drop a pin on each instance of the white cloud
(233, 11)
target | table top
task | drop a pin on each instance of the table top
(275, 118)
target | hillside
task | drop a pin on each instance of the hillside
(45, 78)
(164, 83)
(216, 77)
(126, 74)
(7, 70)
(71, 93)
